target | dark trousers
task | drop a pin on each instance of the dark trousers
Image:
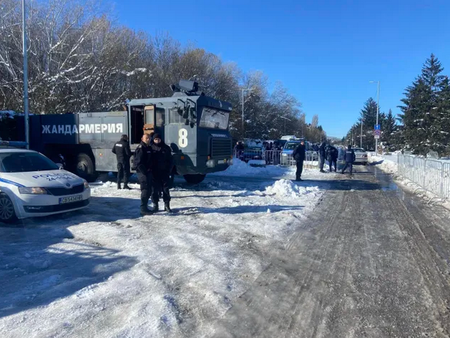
(145, 180)
(348, 165)
(298, 174)
(161, 183)
(123, 172)
(331, 162)
(321, 161)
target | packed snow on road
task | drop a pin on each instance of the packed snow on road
(107, 272)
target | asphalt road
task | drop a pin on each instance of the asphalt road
(372, 261)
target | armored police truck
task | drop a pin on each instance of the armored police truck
(194, 125)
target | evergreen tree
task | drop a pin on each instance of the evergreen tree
(423, 110)
(369, 119)
(389, 129)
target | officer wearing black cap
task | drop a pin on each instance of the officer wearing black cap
(161, 168)
(123, 154)
(142, 164)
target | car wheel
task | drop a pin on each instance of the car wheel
(194, 179)
(85, 168)
(7, 212)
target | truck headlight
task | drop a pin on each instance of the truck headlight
(33, 191)
(86, 185)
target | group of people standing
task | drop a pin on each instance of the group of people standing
(326, 152)
(329, 153)
(153, 164)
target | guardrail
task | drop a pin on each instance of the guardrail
(276, 157)
(431, 175)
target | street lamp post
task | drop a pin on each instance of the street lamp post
(243, 121)
(378, 112)
(25, 76)
(284, 118)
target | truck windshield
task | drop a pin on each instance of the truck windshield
(213, 118)
(21, 162)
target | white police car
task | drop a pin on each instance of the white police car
(32, 185)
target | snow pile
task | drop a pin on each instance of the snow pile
(240, 168)
(287, 188)
(385, 163)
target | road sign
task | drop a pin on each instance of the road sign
(377, 136)
(377, 127)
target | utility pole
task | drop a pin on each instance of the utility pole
(25, 76)
(378, 112)
(243, 120)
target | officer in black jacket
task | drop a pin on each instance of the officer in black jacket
(299, 156)
(142, 164)
(161, 168)
(123, 154)
(349, 159)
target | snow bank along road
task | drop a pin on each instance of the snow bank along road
(241, 257)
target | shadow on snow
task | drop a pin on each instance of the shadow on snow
(36, 270)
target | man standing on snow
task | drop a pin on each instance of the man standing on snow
(299, 156)
(123, 154)
(349, 159)
(322, 156)
(142, 165)
(161, 168)
(332, 155)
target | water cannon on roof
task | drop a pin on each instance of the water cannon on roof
(185, 87)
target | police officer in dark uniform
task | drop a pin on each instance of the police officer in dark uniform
(161, 168)
(123, 154)
(349, 159)
(299, 156)
(142, 164)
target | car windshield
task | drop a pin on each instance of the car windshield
(291, 145)
(213, 118)
(359, 150)
(24, 162)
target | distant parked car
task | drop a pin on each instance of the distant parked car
(252, 153)
(361, 156)
(32, 185)
(286, 153)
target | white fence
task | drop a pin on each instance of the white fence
(276, 157)
(431, 175)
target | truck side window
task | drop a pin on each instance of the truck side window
(160, 117)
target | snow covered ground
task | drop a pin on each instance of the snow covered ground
(387, 163)
(107, 272)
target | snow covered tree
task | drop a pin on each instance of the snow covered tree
(424, 110)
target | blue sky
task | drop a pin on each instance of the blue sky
(324, 51)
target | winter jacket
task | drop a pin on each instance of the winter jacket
(161, 163)
(142, 158)
(322, 149)
(299, 153)
(350, 156)
(122, 151)
(331, 153)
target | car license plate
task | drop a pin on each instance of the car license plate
(70, 199)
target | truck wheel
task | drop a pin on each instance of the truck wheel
(194, 179)
(7, 212)
(85, 167)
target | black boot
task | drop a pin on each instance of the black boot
(155, 207)
(144, 207)
(125, 186)
(146, 212)
(167, 207)
(118, 186)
